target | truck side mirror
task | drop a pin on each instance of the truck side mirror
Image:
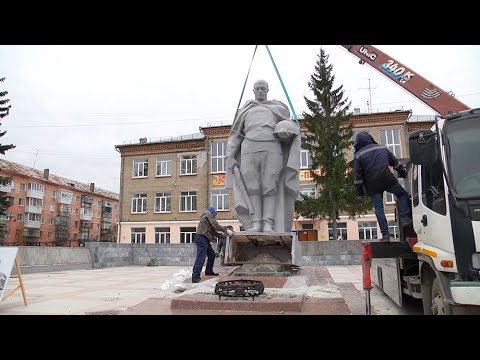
(423, 147)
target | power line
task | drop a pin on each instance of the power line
(113, 124)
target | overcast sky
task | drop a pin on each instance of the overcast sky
(72, 104)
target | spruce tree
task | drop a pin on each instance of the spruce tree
(4, 180)
(329, 140)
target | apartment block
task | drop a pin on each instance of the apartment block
(47, 209)
(167, 183)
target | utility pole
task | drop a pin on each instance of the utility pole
(369, 103)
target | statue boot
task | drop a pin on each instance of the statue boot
(269, 225)
(256, 226)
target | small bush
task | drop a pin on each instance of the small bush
(152, 262)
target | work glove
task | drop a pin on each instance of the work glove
(359, 190)
(402, 173)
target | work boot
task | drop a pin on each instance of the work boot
(211, 273)
(385, 237)
(195, 279)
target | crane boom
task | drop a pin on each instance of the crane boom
(431, 95)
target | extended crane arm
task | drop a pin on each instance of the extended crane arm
(431, 95)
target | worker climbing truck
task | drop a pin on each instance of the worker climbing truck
(437, 258)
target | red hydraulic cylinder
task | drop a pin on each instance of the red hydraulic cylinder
(367, 278)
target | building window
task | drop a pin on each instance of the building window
(140, 168)
(305, 159)
(188, 201)
(218, 157)
(308, 190)
(393, 229)
(139, 203)
(391, 139)
(367, 230)
(162, 235)
(23, 186)
(36, 187)
(77, 198)
(21, 201)
(51, 221)
(50, 234)
(187, 235)
(188, 165)
(20, 217)
(35, 202)
(164, 166)
(33, 217)
(307, 226)
(341, 231)
(138, 236)
(163, 202)
(221, 199)
(389, 197)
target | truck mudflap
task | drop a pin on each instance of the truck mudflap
(465, 292)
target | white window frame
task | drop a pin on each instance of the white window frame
(188, 165)
(164, 167)
(218, 159)
(162, 237)
(368, 231)
(21, 201)
(341, 230)
(387, 138)
(140, 168)
(393, 229)
(188, 201)
(187, 237)
(305, 159)
(19, 217)
(220, 199)
(137, 235)
(36, 187)
(139, 203)
(308, 190)
(163, 202)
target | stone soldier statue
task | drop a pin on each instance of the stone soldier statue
(263, 161)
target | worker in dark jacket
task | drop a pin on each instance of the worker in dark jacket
(372, 175)
(207, 230)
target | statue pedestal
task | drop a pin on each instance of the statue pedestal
(263, 253)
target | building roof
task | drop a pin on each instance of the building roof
(21, 170)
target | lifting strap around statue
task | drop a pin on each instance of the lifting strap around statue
(279, 77)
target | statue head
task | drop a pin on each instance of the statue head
(260, 89)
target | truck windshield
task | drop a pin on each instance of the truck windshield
(463, 138)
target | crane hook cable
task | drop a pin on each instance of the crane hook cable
(243, 90)
(283, 86)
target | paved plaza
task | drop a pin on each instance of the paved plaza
(138, 290)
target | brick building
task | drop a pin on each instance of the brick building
(166, 183)
(52, 210)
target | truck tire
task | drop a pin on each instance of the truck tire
(439, 306)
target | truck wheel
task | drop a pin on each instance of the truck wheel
(439, 306)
